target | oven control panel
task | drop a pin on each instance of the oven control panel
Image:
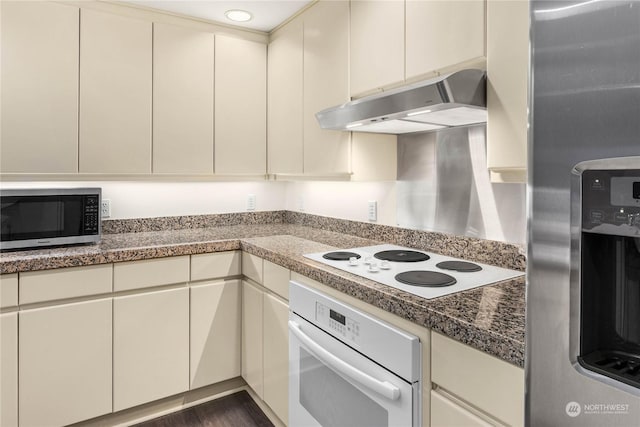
(338, 324)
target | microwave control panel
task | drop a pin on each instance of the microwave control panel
(336, 323)
(91, 217)
(611, 201)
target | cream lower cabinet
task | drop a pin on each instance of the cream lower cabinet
(265, 334)
(215, 332)
(9, 370)
(65, 360)
(276, 356)
(472, 385)
(252, 338)
(150, 346)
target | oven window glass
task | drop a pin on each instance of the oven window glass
(332, 400)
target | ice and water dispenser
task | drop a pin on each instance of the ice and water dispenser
(608, 269)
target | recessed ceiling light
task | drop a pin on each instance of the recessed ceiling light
(238, 15)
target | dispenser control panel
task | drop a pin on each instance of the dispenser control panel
(611, 201)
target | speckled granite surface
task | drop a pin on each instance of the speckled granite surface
(490, 318)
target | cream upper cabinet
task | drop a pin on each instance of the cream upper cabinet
(115, 94)
(182, 100)
(9, 369)
(325, 82)
(39, 77)
(215, 332)
(65, 363)
(507, 80)
(150, 346)
(276, 356)
(284, 107)
(377, 44)
(442, 34)
(240, 106)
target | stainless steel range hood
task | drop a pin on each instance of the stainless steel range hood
(457, 99)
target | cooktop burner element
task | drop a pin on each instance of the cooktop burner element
(431, 279)
(372, 262)
(461, 266)
(402, 256)
(340, 256)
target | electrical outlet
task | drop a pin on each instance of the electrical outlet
(251, 202)
(373, 210)
(105, 208)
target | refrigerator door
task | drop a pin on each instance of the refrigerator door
(585, 105)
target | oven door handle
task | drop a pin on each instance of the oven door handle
(383, 388)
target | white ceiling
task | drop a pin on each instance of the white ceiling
(267, 14)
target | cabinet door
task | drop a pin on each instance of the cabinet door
(442, 34)
(215, 332)
(276, 356)
(284, 130)
(252, 305)
(9, 370)
(150, 347)
(326, 74)
(182, 100)
(240, 106)
(507, 79)
(65, 356)
(39, 87)
(377, 44)
(115, 94)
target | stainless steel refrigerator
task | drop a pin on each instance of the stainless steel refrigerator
(583, 276)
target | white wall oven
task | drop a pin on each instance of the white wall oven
(348, 368)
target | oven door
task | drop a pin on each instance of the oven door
(330, 384)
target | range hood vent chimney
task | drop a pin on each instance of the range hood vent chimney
(457, 99)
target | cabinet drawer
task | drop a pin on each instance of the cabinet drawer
(446, 413)
(148, 273)
(252, 267)
(216, 265)
(467, 372)
(47, 285)
(8, 290)
(277, 278)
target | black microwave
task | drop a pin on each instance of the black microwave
(33, 218)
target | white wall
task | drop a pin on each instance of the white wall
(155, 199)
(346, 200)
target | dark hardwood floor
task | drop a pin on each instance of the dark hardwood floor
(235, 410)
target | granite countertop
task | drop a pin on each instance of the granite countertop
(490, 318)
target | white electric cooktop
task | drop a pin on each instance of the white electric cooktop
(426, 274)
